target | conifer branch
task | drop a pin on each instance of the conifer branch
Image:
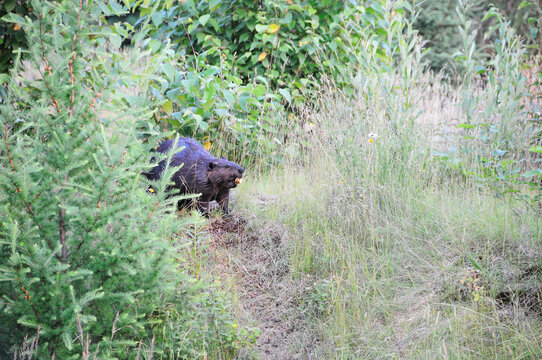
(45, 188)
(62, 230)
(72, 59)
(18, 190)
(150, 215)
(98, 202)
(29, 208)
(7, 147)
(62, 234)
(27, 296)
(47, 68)
(27, 204)
(107, 178)
(93, 101)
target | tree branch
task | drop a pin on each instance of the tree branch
(150, 215)
(98, 203)
(62, 234)
(48, 69)
(72, 59)
(62, 230)
(7, 148)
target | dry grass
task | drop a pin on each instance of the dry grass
(362, 249)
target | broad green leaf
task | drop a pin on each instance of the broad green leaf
(168, 107)
(157, 18)
(116, 40)
(261, 28)
(204, 18)
(215, 25)
(536, 149)
(169, 70)
(286, 94)
(9, 5)
(229, 97)
(154, 45)
(524, 4)
(259, 90)
(213, 4)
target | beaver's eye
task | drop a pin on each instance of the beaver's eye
(227, 166)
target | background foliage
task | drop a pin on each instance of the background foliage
(439, 22)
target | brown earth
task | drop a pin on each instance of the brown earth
(256, 264)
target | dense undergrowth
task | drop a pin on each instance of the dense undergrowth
(406, 259)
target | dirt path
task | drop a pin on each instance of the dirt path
(256, 263)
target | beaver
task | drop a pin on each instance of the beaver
(200, 173)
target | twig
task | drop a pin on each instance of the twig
(114, 329)
(47, 68)
(7, 148)
(62, 234)
(46, 187)
(155, 206)
(27, 296)
(62, 229)
(97, 350)
(192, 46)
(93, 101)
(28, 207)
(72, 59)
(85, 344)
(139, 349)
(151, 350)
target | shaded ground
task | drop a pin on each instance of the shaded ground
(255, 264)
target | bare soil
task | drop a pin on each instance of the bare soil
(256, 264)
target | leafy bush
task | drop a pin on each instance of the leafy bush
(439, 22)
(289, 43)
(209, 104)
(271, 39)
(501, 129)
(83, 247)
(11, 35)
(242, 65)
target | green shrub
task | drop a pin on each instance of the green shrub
(206, 102)
(243, 66)
(500, 124)
(440, 24)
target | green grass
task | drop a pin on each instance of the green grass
(408, 259)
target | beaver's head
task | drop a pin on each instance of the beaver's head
(224, 173)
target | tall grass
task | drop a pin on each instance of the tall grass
(409, 259)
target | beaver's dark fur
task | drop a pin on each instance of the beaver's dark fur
(200, 173)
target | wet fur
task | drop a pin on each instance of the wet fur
(200, 173)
